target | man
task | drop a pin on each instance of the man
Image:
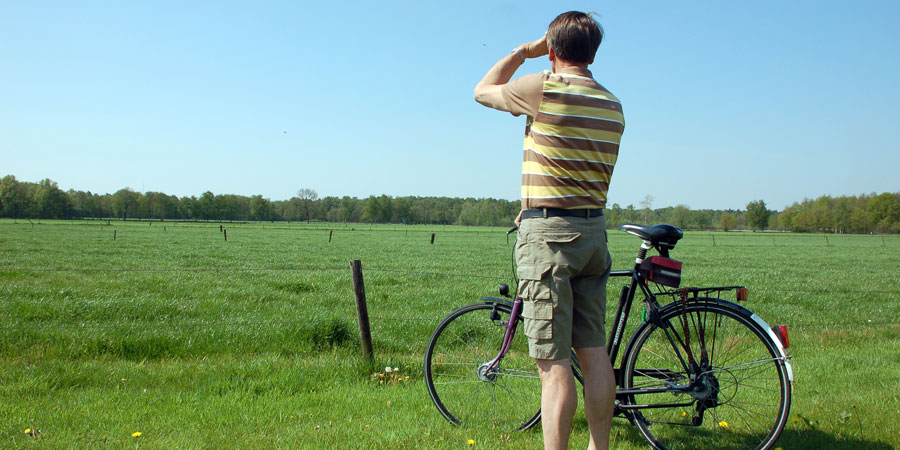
(572, 136)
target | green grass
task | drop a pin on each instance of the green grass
(252, 343)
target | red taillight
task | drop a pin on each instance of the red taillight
(742, 294)
(781, 332)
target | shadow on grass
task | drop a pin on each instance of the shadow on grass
(820, 439)
(789, 439)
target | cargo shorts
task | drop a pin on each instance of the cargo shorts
(563, 265)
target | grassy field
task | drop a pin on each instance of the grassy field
(169, 330)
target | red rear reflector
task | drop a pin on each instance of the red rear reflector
(782, 333)
(742, 294)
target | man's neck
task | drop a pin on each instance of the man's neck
(559, 65)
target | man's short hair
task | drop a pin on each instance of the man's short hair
(574, 36)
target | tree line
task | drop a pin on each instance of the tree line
(45, 200)
(878, 213)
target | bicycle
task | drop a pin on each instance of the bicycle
(697, 372)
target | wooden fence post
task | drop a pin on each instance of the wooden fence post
(432, 238)
(226, 234)
(114, 234)
(362, 311)
(330, 233)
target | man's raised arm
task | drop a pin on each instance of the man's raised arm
(488, 91)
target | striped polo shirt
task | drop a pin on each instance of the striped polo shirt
(571, 138)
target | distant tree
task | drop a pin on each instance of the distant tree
(728, 221)
(859, 220)
(164, 206)
(841, 214)
(260, 208)
(124, 203)
(377, 209)
(883, 210)
(681, 216)
(187, 208)
(630, 214)
(307, 197)
(205, 206)
(646, 204)
(232, 207)
(401, 207)
(468, 215)
(13, 202)
(350, 209)
(757, 215)
(51, 201)
(703, 219)
(786, 218)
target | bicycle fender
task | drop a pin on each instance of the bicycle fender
(755, 318)
(491, 300)
(787, 359)
(730, 305)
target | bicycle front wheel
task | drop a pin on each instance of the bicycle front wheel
(506, 398)
(735, 395)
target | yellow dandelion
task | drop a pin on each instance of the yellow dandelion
(136, 434)
(471, 442)
(723, 424)
(684, 414)
(28, 431)
(796, 420)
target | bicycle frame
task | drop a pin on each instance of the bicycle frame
(620, 320)
(693, 359)
(626, 299)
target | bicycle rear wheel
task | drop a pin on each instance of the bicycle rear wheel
(508, 398)
(739, 394)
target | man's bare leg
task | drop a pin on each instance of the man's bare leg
(558, 401)
(599, 394)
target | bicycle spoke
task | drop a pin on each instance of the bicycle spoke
(506, 397)
(739, 397)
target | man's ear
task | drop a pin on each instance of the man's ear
(551, 54)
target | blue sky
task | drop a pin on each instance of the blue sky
(725, 102)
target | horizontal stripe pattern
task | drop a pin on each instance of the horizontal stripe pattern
(575, 187)
(571, 146)
(535, 162)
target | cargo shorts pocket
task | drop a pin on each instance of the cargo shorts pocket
(537, 307)
(560, 237)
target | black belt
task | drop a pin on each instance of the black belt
(558, 212)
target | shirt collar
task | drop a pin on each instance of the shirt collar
(575, 70)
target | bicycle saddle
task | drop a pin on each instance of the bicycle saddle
(661, 235)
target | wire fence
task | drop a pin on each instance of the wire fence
(237, 323)
(460, 275)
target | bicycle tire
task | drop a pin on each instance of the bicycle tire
(507, 400)
(744, 392)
